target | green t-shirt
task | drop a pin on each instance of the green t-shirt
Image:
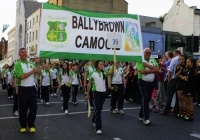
(89, 69)
(140, 66)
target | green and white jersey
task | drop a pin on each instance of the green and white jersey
(146, 77)
(117, 78)
(53, 73)
(98, 83)
(22, 67)
(65, 78)
(46, 81)
(89, 69)
(75, 78)
(9, 77)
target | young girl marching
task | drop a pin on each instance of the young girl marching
(76, 82)
(98, 86)
(45, 83)
(64, 80)
(189, 90)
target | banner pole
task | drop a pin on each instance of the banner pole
(114, 60)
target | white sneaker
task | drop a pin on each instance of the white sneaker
(195, 103)
(61, 98)
(76, 103)
(141, 119)
(66, 111)
(16, 113)
(113, 111)
(126, 101)
(8, 97)
(51, 94)
(147, 122)
(41, 101)
(99, 132)
(62, 107)
(11, 96)
(54, 94)
(94, 124)
(198, 104)
(47, 103)
(121, 111)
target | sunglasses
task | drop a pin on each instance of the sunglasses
(148, 52)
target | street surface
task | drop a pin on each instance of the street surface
(53, 124)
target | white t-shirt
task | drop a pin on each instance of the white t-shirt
(151, 76)
(53, 73)
(75, 80)
(65, 78)
(117, 77)
(9, 77)
(45, 78)
(98, 83)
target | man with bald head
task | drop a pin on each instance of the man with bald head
(146, 81)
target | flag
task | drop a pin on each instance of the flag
(5, 26)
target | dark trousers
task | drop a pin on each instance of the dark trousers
(74, 93)
(197, 95)
(54, 90)
(146, 89)
(16, 101)
(99, 99)
(27, 100)
(66, 95)
(39, 90)
(10, 90)
(117, 96)
(45, 93)
(4, 84)
(130, 91)
(171, 89)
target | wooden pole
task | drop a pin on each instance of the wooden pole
(114, 60)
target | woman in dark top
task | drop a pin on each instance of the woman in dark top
(197, 96)
(189, 90)
(180, 69)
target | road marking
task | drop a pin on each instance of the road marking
(44, 103)
(117, 139)
(195, 135)
(60, 114)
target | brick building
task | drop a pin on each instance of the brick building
(3, 48)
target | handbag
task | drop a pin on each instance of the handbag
(68, 84)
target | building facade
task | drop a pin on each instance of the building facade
(24, 8)
(183, 19)
(3, 48)
(32, 32)
(102, 6)
(11, 42)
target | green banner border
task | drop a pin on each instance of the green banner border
(89, 14)
(83, 56)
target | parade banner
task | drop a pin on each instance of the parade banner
(71, 34)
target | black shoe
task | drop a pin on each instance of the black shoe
(164, 113)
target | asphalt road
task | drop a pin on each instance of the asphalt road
(52, 124)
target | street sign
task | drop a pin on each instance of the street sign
(114, 40)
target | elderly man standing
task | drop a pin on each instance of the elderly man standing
(27, 92)
(146, 82)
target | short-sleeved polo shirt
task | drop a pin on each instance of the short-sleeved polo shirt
(53, 73)
(22, 67)
(89, 69)
(118, 76)
(98, 83)
(46, 81)
(146, 77)
(75, 78)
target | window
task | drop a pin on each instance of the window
(151, 24)
(33, 21)
(36, 19)
(30, 37)
(30, 24)
(35, 49)
(33, 36)
(27, 38)
(36, 35)
(151, 45)
(27, 25)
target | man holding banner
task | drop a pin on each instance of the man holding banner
(146, 81)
